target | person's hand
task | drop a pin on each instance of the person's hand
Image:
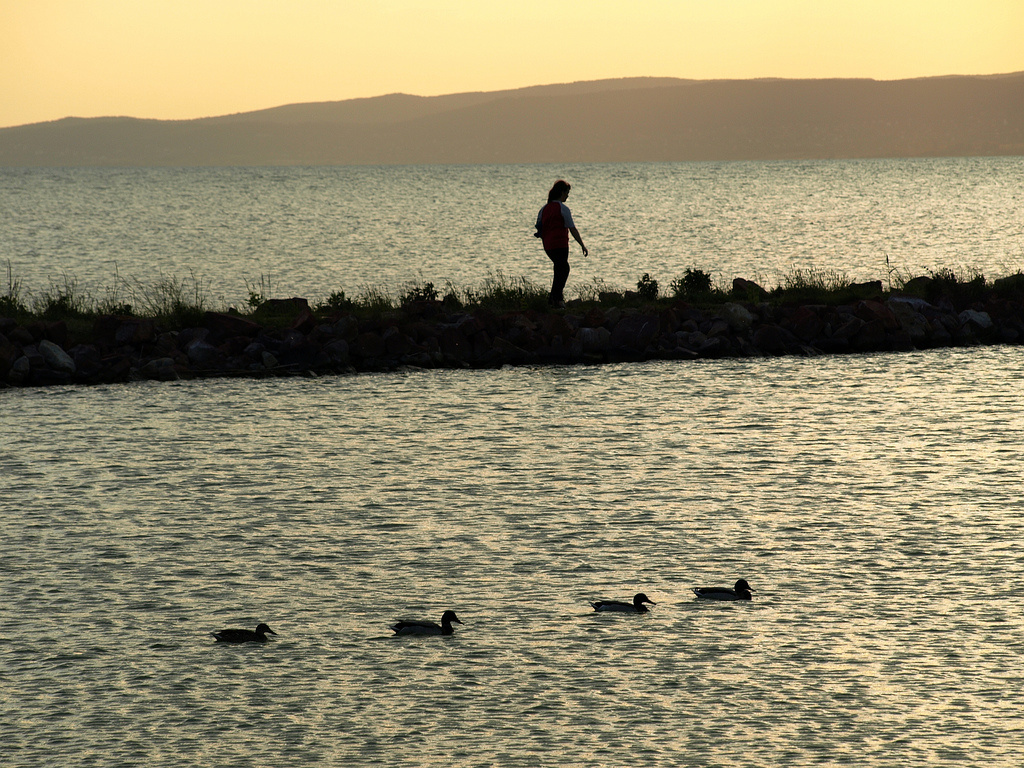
(585, 251)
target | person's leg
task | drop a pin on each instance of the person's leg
(560, 259)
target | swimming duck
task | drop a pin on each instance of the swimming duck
(637, 606)
(740, 592)
(427, 627)
(244, 635)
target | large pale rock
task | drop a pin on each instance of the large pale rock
(738, 317)
(910, 319)
(980, 320)
(56, 358)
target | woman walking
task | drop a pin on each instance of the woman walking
(554, 225)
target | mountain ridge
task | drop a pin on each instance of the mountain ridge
(615, 120)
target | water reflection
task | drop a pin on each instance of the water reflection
(871, 500)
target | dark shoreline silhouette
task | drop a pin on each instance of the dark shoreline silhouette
(627, 120)
(287, 338)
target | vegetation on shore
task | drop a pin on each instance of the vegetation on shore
(182, 302)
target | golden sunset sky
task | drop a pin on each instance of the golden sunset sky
(176, 59)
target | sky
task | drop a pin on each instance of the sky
(181, 59)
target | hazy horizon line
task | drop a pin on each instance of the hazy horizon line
(606, 80)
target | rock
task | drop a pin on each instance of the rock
(203, 355)
(274, 311)
(748, 288)
(772, 339)
(848, 327)
(940, 336)
(634, 332)
(224, 325)
(910, 320)
(805, 324)
(712, 347)
(133, 331)
(980, 320)
(509, 352)
(870, 311)
(368, 345)
(304, 356)
(870, 337)
(739, 318)
(305, 321)
(8, 354)
(396, 343)
(1011, 284)
(868, 290)
(21, 369)
(454, 344)
(189, 335)
(594, 339)
(56, 358)
(919, 286)
(337, 352)
(87, 360)
(159, 369)
(21, 336)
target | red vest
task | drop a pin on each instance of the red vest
(553, 232)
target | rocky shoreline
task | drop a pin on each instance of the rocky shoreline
(286, 338)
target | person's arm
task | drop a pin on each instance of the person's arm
(576, 236)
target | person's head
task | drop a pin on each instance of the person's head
(559, 190)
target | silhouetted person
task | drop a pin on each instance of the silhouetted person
(554, 224)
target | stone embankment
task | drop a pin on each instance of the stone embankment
(285, 338)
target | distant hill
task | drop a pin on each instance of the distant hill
(638, 119)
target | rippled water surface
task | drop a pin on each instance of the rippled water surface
(873, 502)
(313, 231)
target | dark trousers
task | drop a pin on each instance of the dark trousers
(560, 258)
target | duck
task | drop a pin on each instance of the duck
(244, 635)
(741, 591)
(637, 606)
(428, 627)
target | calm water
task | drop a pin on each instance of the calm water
(313, 231)
(872, 501)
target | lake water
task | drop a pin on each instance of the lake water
(872, 501)
(312, 231)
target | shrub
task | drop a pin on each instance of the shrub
(692, 284)
(425, 292)
(336, 302)
(960, 288)
(179, 300)
(10, 303)
(508, 293)
(258, 294)
(647, 287)
(63, 302)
